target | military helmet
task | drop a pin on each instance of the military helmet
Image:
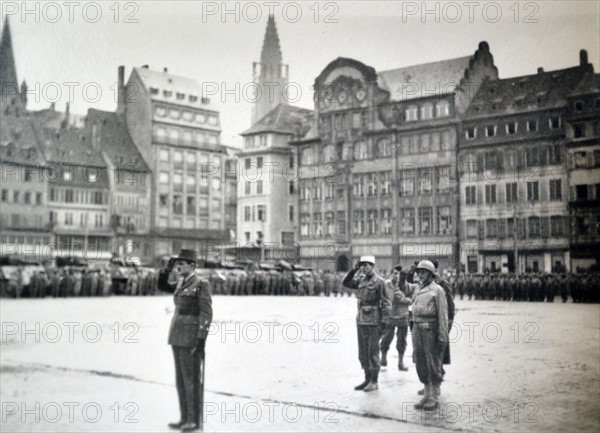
(427, 265)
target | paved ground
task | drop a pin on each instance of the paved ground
(289, 364)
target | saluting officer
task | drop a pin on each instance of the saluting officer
(187, 336)
(374, 305)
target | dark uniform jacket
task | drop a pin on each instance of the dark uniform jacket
(374, 302)
(193, 308)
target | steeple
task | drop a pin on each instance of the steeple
(9, 86)
(271, 75)
(271, 51)
(8, 72)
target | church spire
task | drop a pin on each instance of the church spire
(271, 75)
(8, 72)
(271, 51)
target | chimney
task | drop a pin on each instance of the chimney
(540, 70)
(166, 70)
(121, 90)
(583, 59)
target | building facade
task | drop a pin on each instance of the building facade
(377, 176)
(177, 132)
(514, 213)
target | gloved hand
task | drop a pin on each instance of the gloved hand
(200, 345)
(357, 265)
(171, 264)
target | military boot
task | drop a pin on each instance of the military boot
(176, 425)
(372, 386)
(433, 401)
(425, 398)
(401, 365)
(384, 358)
(365, 383)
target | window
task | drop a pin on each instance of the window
(261, 212)
(471, 195)
(318, 224)
(532, 126)
(163, 178)
(407, 222)
(490, 160)
(248, 188)
(246, 213)
(426, 181)
(358, 186)
(329, 190)
(555, 189)
(470, 133)
(554, 122)
(4, 195)
(444, 220)
(191, 205)
(582, 225)
(596, 157)
(259, 187)
(411, 113)
(372, 222)
(341, 223)
(38, 198)
(98, 220)
(425, 221)
(511, 192)
(442, 109)
(385, 183)
(472, 229)
(581, 192)
(533, 191)
(317, 192)
(532, 155)
(167, 93)
(534, 227)
(68, 219)
(491, 228)
(163, 200)
(490, 194)
(291, 187)
(556, 225)
(69, 196)
(579, 130)
(384, 148)
(177, 205)
(259, 162)
(291, 213)
(178, 158)
(178, 182)
(580, 159)
(554, 154)
(359, 222)
(386, 221)
(361, 151)
(287, 238)
(27, 198)
(372, 185)
(427, 111)
(305, 225)
(212, 120)
(307, 156)
(174, 114)
(490, 130)
(67, 175)
(407, 183)
(511, 128)
(578, 105)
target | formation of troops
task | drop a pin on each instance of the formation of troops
(39, 282)
(532, 287)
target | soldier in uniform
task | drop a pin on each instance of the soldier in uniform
(374, 307)
(430, 334)
(187, 336)
(401, 294)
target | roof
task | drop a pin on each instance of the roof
(442, 76)
(176, 84)
(544, 90)
(69, 146)
(589, 84)
(18, 140)
(114, 139)
(283, 119)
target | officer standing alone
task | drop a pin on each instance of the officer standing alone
(374, 307)
(188, 332)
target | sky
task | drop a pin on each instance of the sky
(84, 43)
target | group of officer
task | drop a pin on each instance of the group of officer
(533, 287)
(418, 299)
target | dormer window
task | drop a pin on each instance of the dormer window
(532, 126)
(153, 91)
(511, 128)
(411, 113)
(181, 96)
(554, 122)
(578, 106)
(193, 98)
(470, 133)
(490, 130)
(167, 93)
(205, 100)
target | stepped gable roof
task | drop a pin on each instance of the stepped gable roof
(544, 90)
(18, 141)
(427, 79)
(174, 83)
(110, 131)
(283, 119)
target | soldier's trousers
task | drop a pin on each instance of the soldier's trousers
(388, 336)
(428, 354)
(187, 368)
(368, 348)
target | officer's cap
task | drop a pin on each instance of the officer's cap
(398, 268)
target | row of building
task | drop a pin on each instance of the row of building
(442, 160)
